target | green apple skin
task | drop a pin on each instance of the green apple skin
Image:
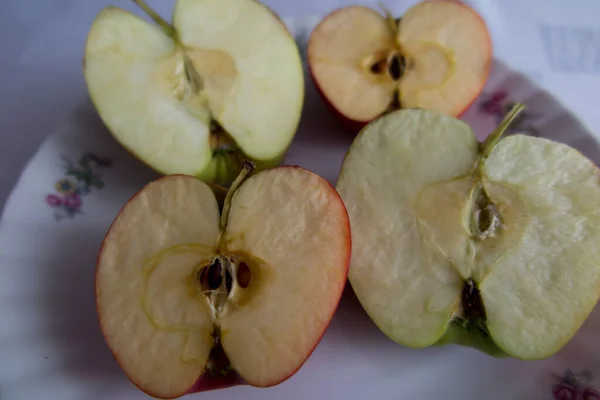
(472, 337)
(222, 169)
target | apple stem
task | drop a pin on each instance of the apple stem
(494, 137)
(247, 168)
(167, 27)
(191, 74)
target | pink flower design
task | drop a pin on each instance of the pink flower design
(72, 201)
(574, 386)
(54, 200)
(590, 394)
(562, 391)
(80, 179)
(493, 105)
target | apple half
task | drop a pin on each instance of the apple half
(191, 298)
(364, 63)
(222, 84)
(492, 245)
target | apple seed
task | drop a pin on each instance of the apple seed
(244, 276)
(378, 67)
(396, 66)
(210, 277)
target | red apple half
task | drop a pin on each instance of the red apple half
(437, 56)
(191, 298)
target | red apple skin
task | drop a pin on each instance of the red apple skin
(489, 56)
(206, 382)
(349, 124)
(354, 126)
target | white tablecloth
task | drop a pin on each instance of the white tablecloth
(555, 42)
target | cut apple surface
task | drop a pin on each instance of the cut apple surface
(222, 84)
(187, 294)
(437, 56)
(491, 245)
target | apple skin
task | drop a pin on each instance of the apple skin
(490, 48)
(458, 335)
(350, 125)
(354, 126)
(206, 382)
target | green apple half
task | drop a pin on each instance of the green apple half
(492, 245)
(222, 84)
(190, 298)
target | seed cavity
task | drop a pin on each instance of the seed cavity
(211, 277)
(485, 218)
(244, 275)
(378, 67)
(393, 65)
(228, 278)
(396, 66)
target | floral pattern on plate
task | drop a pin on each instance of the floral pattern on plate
(574, 386)
(498, 104)
(80, 179)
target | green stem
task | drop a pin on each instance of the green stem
(494, 137)
(191, 74)
(167, 27)
(247, 168)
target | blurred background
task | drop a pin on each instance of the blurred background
(554, 42)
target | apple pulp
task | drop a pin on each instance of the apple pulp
(437, 56)
(223, 84)
(191, 298)
(491, 245)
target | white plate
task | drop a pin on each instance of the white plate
(50, 344)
